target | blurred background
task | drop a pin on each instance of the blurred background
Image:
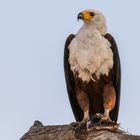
(32, 38)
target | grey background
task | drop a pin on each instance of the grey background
(32, 36)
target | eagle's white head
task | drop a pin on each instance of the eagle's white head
(95, 18)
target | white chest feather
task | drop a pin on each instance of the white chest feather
(90, 53)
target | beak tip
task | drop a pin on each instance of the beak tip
(80, 16)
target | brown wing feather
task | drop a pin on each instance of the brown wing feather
(70, 83)
(116, 76)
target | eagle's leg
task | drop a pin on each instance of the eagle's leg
(83, 102)
(109, 100)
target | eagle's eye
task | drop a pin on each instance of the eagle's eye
(92, 14)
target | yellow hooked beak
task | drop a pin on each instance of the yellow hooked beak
(86, 15)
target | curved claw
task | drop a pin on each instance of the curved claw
(84, 124)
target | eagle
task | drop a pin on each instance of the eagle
(92, 70)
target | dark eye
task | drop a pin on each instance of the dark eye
(92, 14)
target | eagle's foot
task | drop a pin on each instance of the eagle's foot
(81, 127)
(85, 125)
(83, 122)
(103, 118)
(103, 122)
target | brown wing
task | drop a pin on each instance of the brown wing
(70, 82)
(116, 76)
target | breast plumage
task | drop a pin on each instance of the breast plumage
(90, 54)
